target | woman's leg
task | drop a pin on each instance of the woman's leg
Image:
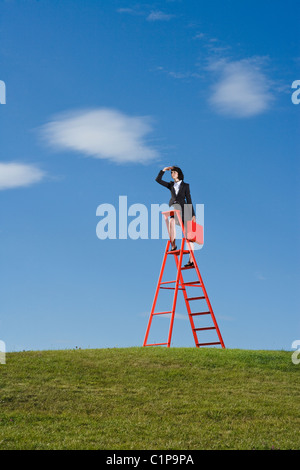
(192, 249)
(172, 231)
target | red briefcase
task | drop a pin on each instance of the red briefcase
(194, 232)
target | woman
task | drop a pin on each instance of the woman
(180, 197)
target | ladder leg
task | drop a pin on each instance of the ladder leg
(187, 304)
(175, 293)
(156, 292)
(206, 296)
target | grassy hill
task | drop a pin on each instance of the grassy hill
(149, 398)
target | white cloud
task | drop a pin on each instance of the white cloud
(159, 16)
(178, 75)
(242, 88)
(102, 133)
(130, 11)
(14, 175)
(199, 36)
(155, 15)
(125, 10)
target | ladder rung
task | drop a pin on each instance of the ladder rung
(207, 328)
(156, 344)
(195, 298)
(169, 282)
(207, 344)
(192, 283)
(200, 313)
(172, 288)
(160, 313)
(176, 252)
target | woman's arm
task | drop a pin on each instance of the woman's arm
(189, 200)
(160, 180)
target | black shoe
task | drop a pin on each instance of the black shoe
(173, 249)
(190, 264)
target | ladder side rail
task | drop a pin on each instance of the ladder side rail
(187, 303)
(206, 296)
(175, 294)
(156, 292)
(201, 282)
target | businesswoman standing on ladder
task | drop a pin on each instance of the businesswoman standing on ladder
(180, 198)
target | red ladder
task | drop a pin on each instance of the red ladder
(181, 285)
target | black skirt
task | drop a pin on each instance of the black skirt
(174, 216)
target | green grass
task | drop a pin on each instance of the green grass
(149, 398)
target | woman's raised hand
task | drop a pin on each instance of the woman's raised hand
(167, 168)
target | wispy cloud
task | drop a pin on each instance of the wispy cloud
(131, 11)
(125, 10)
(15, 175)
(154, 15)
(102, 133)
(178, 75)
(241, 88)
(199, 36)
(159, 16)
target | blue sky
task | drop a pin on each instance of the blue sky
(100, 95)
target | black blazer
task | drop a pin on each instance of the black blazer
(183, 197)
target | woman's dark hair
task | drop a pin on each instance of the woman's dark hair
(180, 174)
